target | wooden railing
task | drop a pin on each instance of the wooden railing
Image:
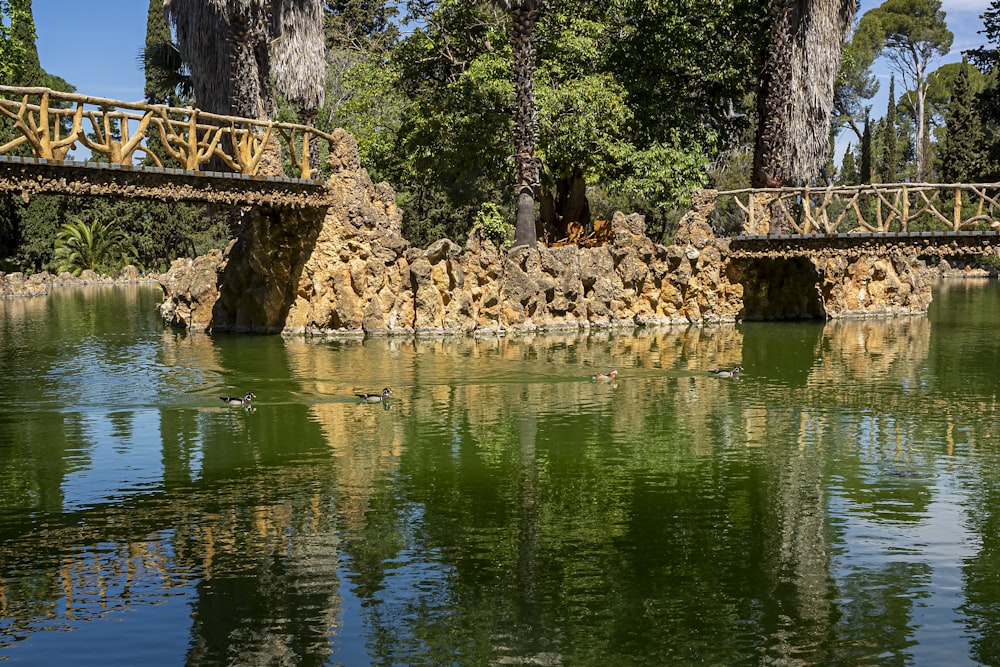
(51, 124)
(876, 208)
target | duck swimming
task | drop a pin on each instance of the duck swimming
(602, 377)
(375, 398)
(236, 400)
(723, 373)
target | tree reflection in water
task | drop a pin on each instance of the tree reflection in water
(833, 506)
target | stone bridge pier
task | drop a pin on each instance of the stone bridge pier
(830, 286)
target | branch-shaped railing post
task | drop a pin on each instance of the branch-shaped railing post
(881, 208)
(188, 137)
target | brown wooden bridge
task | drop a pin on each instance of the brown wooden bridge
(154, 151)
(928, 219)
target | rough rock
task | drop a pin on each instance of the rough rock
(348, 270)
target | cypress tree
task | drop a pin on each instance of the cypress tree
(890, 153)
(961, 160)
(29, 72)
(849, 168)
(866, 168)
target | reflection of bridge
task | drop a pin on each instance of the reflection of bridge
(187, 154)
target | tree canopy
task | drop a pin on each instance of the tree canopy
(912, 33)
(630, 104)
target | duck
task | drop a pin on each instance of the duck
(375, 398)
(236, 400)
(604, 377)
(723, 373)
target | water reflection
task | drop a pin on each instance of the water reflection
(832, 505)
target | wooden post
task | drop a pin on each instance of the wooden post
(905, 222)
(957, 215)
(807, 211)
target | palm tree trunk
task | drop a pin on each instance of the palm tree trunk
(251, 68)
(525, 15)
(796, 96)
(298, 59)
(202, 40)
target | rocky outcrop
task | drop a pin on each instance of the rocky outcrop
(351, 272)
(872, 285)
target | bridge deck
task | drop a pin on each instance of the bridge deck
(935, 243)
(38, 175)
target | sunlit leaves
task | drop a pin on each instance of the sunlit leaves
(664, 174)
(583, 122)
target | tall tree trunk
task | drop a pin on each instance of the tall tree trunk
(567, 204)
(770, 164)
(525, 15)
(202, 40)
(922, 140)
(796, 90)
(250, 62)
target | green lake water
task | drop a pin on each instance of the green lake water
(837, 504)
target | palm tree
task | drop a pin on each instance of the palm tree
(796, 90)
(167, 79)
(298, 59)
(234, 47)
(96, 246)
(524, 14)
(202, 39)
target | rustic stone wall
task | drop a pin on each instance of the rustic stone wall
(870, 285)
(351, 272)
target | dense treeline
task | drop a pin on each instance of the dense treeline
(636, 104)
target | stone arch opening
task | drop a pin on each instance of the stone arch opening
(778, 289)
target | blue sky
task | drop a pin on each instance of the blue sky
(963, 20)
(95, 45)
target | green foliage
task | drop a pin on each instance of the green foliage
(492, 224)
(582, 124)
(365, 26)
(687, 64)
(849, 168)
(855, 83)
(636, 95)
(168, 80)
(987, 57)
(13, 47)
(912, 33)
(372, 111)
(962, 157)
(97, 246)
(36, 223)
